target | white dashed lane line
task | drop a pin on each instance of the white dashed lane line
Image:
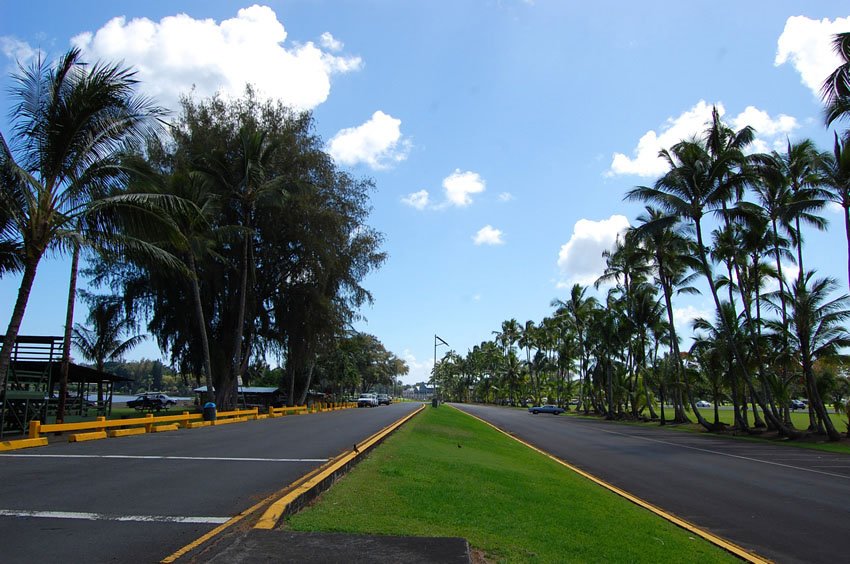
(106, 517)
(139, 457)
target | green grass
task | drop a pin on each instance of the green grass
(447, 474)
(800, 419)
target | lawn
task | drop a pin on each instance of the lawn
(447, 474)
(800, 419)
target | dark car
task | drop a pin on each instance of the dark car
(154, 401)
(384, 399)
(553, 409)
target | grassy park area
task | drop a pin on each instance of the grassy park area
(447, 474)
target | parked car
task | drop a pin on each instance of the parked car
(367, 400)
(384, 399)
(553, 409)
(798, 404)
(152, 401)
(703, 403)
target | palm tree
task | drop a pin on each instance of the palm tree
(835, 169)
(697, 183)
(578, 311)
(817, 331)
(102, 343)
(69, 123)
(835, 91)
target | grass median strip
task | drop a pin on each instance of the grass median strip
(446, 474)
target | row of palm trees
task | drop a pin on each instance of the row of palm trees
(770, 334)
(228, 231)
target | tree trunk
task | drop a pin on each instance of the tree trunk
(66, 343)
(202, 328)
(236, 362)
(30, 267)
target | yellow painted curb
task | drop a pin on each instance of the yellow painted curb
(729, 546)
(82, 437)
(198, 424)
(232, 521)
(126, 432)
(218, 422)
(22, 443)
(278, 509)
(163, 428)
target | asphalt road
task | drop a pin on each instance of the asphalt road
(784, 503)
(139, 499)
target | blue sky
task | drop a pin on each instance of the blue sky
(502, 134)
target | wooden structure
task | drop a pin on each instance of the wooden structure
(30, 391)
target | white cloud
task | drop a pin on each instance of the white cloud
(418, 200)
(419, 371)
(179, 52)
(488, 235)
(331, 43)
(580, 258)
(771, 134)
(807, 44)
(377, 143)
(505, 197)
(684, 317)
(17, 50)
(460, 185)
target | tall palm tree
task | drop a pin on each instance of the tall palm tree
(70, 121)
(835, 169)
(578, 310)
(697, 183)
(835, 91)
(817, 330)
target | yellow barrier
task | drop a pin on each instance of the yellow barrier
(281, 411)
(82, 437)
(163, 428)
(126, 432)
(22, 443)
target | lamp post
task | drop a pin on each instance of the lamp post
(437, 341)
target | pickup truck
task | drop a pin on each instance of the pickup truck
(367, 400)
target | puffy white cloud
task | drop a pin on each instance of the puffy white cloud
(377, 143)
(807, 44)
(179, 52)
(684, 317)
(645, 161)
(460, 185)
(488, 235)
(770, 134)
(505, 197)
(418, 200)
(330, 43)
(419, 371)
(580, 259)
(17, 50)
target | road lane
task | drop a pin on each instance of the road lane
(785, 504)
(63, 502)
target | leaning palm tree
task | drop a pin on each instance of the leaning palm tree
(817, 331)
(835, 169)
(70, 121)
(836, 88)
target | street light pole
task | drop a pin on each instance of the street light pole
(441, 342)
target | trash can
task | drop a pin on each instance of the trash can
(435, 402)
(209, 411)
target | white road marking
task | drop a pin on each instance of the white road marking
(106, 517)
(727, 454)
(141, 457)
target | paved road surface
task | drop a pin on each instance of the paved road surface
(784, 503)
(138, 499)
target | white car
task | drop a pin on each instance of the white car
(367, 400)
(703, 403)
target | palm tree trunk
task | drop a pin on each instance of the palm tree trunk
(847, 232)
(785, 430)
(66, 343)
(202, 328)
(240, 318)
(30, 268)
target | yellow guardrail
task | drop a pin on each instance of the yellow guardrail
(148, 422)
